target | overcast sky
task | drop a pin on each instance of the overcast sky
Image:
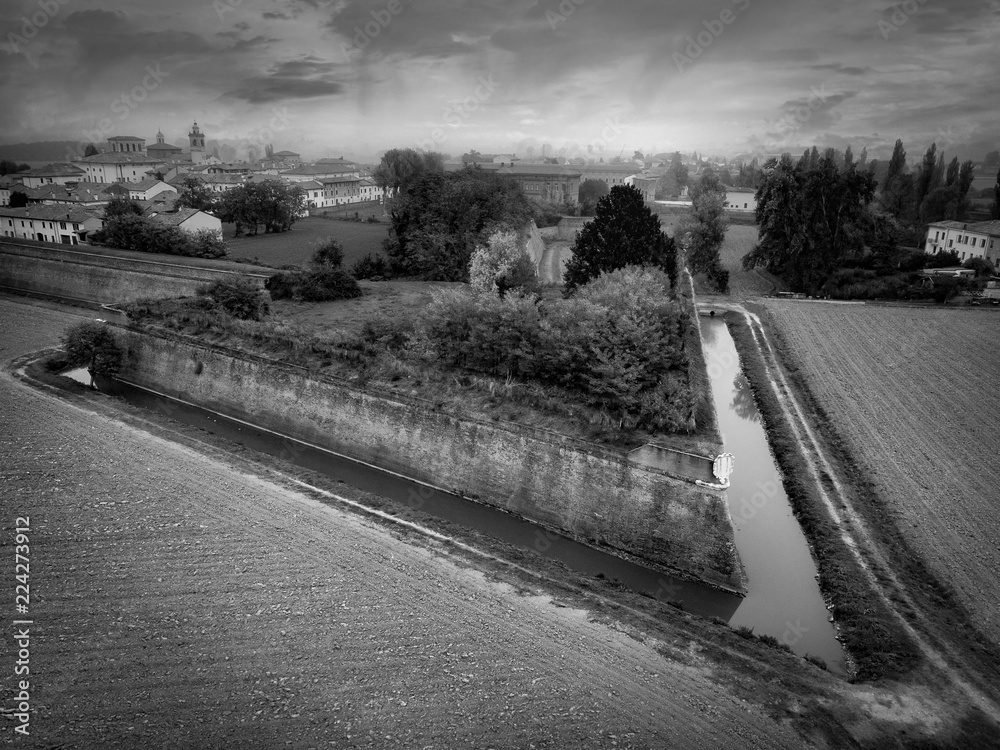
(324, 77)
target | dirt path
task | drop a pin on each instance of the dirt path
(859, 538)
(178, 602)
(553, 262)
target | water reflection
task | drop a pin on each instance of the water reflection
(743, 404)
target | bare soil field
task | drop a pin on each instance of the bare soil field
(187, 592)
(296, 246)
(913, 393)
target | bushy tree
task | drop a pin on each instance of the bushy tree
(240, 298)
(371, 267)
(702, 232)
(270, 203)
(18, 199)
(439, 218)
(591, 191)
(93, 345)
(330, 254)
(10, 167)
(501, 265)
(121, 206)
(196, 194)
(995, 207)
(90, 150)
(144, 234)
(623, 232)
(810, 221)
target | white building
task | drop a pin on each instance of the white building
(189, 219)
(67, 225)
(59, 173)
(146, 189)
(119, 166)
(976, 240)
(741, 199)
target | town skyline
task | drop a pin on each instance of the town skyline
(590, 78)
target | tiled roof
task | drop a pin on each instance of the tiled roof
(119, 157)
(279, 154)
(322, 169)
(948, 224)
(310, 185)
(143, 185)
(991, 228)
(81, 192)
(58, 169)
(50, 213)
(125, 138)
(175, 218)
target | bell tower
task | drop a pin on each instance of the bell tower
(197, 140)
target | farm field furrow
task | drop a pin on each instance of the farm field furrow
(915, 395)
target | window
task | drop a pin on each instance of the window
(951, 243)
(62, 224)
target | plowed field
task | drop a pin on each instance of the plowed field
(916, 395)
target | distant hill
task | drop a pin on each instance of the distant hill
(43, 151)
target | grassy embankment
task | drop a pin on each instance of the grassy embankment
(869, 631)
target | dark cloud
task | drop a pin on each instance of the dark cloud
(845, 69)
(270, 89)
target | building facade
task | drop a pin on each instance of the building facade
(968, 240)
(66, 225)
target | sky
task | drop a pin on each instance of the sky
(594, 78)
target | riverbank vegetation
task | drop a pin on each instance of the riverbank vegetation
(869, 631)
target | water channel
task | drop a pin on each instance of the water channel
(783, 599)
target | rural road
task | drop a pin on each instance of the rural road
(177, 602)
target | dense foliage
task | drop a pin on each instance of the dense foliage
(373, 267)
(128, 231)
(240, 298)
(703, 231)
(617, 344)
(93, 345)
(270, 203)
(623, 232)
(502, 265)
(813, 218)
(438, 217)
(196, 194)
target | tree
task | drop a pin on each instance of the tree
(897, 164)
(401, 167)
(624, 232)
(196, 194)
(809, 221)
(11, 167)
(992, 159)
(90, 150)
(501, 265)
(591, 191)
(270, 203)
(121, 206)
(925, 179)
(18, 199)
(702, 233)
(848, 158)
(995, 208)
(952, 174)
(966, 174)
(328, 255)
(94, 346)
(863, 159)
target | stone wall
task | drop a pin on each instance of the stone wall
(107, 276)
(592, 493)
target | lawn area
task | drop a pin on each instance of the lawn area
(296, 246)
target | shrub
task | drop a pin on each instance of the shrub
(371, 267)
(816, 661)
(239, 297)
(327, 285)
(329, 255)
(393, 333)
(93, 345)
(283, 285)
(502, 265)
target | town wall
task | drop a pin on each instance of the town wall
(592, 493)
(107, 276)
